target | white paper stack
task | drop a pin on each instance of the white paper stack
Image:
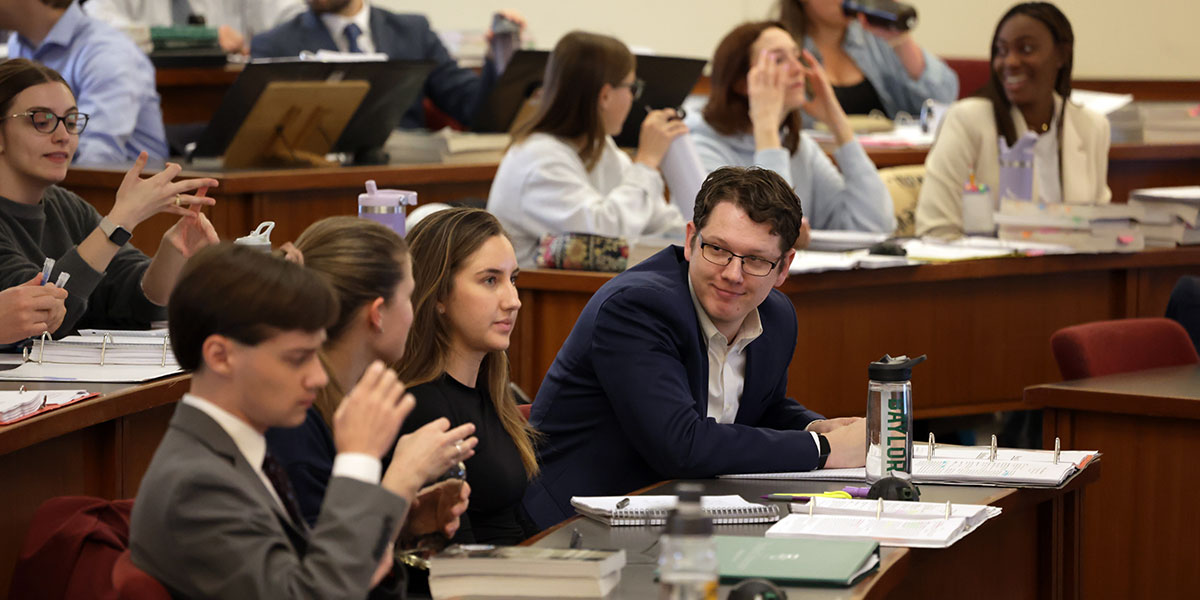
(1084, 227)
(891, 523)
(17, 404)
(1170, 214)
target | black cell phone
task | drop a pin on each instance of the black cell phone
(889, 14)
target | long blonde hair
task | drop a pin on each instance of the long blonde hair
(362, 260)
(441, 244)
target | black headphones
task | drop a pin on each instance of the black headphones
(756, 589)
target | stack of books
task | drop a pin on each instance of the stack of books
(519, 571)
(1169, 214)
(1084, 227)
(446, 146)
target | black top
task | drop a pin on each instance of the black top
(495, 473)
(859, 99)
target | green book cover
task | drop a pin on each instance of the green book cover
(796, 560)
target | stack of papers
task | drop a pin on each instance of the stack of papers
(908, 524)
(128, 357)
(446, 146)
(16, 405)
(829, 240)
(809, 261)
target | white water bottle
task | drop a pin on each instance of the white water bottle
(687, 559)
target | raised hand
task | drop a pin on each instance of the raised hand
(659, 129)
(437, 508)
(824, 105)
(766, 89)
(192, 232)
(369, 417)
(139, 199)
(423, 455)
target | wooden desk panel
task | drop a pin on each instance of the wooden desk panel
(100, 447)
(1139, 522)
(985, 325)
(294, 199)
(192, 95)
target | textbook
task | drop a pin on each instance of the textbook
(508, 571)
(795, 561)
(653, 510)
(475, 559)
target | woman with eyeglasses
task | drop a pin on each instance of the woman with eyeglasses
(111, 284)
(759, 82)
(564, 173)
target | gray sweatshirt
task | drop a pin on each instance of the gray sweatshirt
(54, 227)
(853, 199)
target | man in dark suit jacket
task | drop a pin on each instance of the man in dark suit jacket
(455, 91)
(677, 368)
(215, 516)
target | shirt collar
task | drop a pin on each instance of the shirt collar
(749, 331)
(1019, 119)
(336, 23)
(63, 30)
(249, 442)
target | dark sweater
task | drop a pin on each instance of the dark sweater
(54, 228)
(496, 474)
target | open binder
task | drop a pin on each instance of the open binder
(106, 356)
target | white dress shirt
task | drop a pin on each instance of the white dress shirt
(248, 17)
(1046, 182)
(253, 446)
(727, 363)
(336, 24)
(542, 186)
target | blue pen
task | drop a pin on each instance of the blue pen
(47, 267)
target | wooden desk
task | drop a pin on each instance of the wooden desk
(294, 199)
(99, 447)
(985, 324)
(192, 95)
(1140, 524)
(1030, 546)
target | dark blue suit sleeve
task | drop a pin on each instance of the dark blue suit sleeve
(636, 357)
(454, 90)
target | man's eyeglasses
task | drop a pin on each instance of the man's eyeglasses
(751, 265)
(636, 87)
(46, 121)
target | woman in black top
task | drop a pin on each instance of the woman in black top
(465, 307)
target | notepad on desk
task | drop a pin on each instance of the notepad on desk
(653, 510)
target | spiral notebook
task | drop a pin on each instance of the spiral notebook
(653, 510)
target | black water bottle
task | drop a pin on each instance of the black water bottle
(883, 13)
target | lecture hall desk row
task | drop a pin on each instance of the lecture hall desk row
(102, 447)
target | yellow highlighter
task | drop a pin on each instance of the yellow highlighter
(788, 497)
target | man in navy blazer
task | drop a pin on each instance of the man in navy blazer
(677, 368)
(454, 90)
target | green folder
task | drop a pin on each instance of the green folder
(796, 560)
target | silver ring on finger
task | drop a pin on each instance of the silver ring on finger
(458, 448)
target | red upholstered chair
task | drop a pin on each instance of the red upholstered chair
(973, 73)
(70, 549)
(132, 583)
(1121, 346)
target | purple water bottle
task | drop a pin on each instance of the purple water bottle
(385, 206)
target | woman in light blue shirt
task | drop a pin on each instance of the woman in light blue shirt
(753, 119)
(869, 67)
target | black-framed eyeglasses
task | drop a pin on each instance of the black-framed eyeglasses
(751, 265)
(45, 121)
(636, 87)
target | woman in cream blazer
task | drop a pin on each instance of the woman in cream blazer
(1031, 66)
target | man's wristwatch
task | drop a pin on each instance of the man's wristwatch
(115, 233)
(824, 442)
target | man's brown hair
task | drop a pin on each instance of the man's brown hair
(245, 295)
(761, 193)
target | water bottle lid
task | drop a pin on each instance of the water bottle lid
(687, 518)
(893, 369)
(378, 197)
(260, 237)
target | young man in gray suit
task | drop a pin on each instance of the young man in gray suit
(215, 516)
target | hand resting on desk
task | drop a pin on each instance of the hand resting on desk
(847, 443)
